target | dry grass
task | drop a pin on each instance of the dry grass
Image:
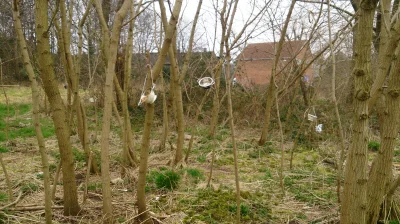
(309, 187)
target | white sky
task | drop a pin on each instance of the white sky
(206, 25)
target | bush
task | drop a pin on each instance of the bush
(374, 146)
(29, 188)
(167, 179)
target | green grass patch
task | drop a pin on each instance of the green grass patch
(374, 146)
(163, 179)
(219, 206)
(29, 188)
(202, 158)
(79, 156)
(3, 149)
(15, 130)
(195, 174)
(3, 196)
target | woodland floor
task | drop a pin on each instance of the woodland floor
(310, 187)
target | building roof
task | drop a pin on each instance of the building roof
(264, 51)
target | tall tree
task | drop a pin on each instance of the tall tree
(155, 72)
(45, 64)
(178, 77)
(272, 88)
(35, 109)
(354, 203)
(110, 47)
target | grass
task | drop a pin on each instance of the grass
(3, 196)
(374, 146)
(29, 188)
(219, 206)
(21, 127)
(163, 179)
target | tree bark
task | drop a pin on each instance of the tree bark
(71, 206)
(354, 202)
(155, 72)
(111, 46)
(35, 110)
(272, 88)
(381, 170)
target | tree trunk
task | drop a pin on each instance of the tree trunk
(110, 47)
(354, 202)
(232, 127)
(272, 88)
(333, 81)
(381, 170)
(179, 106)
(165, 117)
(144, 153)
(35, 110)
(155, 72)
(71, 206)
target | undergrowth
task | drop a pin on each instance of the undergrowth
(21, 126)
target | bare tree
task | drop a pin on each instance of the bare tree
(71, 206)
(110, 47)
(154, 73)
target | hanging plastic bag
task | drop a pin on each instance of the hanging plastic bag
(318, 128)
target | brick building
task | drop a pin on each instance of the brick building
(254, 64)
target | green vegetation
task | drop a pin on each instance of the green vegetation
(29, 188)
(168, 179)
(373, 145)
(163, 179)
(219, 206)
(79, 156)
(94, 186)
(3, 196)
(3, 149)
(21, 127)
(196, 174)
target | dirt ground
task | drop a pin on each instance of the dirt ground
(309, 187)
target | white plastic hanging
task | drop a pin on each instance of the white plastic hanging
(206, 82)
(318, 128)
(151, 96)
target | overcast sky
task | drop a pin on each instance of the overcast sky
(302, 17)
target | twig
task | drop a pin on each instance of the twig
(9, 85)
(12, 203)
(33, 208)
(85, 192)
(127, 221)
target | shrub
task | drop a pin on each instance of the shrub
(79, 156)
(3, 196)
(373, 145)
(195, 173)
(29, 187)
(167, 179)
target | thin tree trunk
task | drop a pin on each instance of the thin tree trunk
(165, 117)
(129, 158)
(7, 178)
(111, 54)
(81, 114)
(7, 101)
(272, 88)
(35, 110)
(196, 119)
(281, 142)
(71, 206)
(232, 127)
(141, 198)
(155, 72)
(341, 135)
